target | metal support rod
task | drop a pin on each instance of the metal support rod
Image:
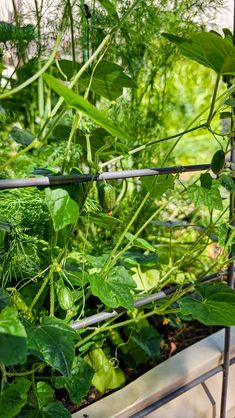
(227, 337)
(185, 388)
(211, 399)
(103, 316)
(55, 180)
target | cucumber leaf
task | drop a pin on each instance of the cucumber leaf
(207, 197)
(213, 304)
(63, 210)
(162, 184)
(108, 80)
(148, 340)
(45, 394)
(14, 397)
(103, 220)
(140, 242)
(52, 342)
(227, 182)
(109, 6)
(22, 137)
(78, 384)
(115, 289)
(208, 49)
(4, 298)
(55, 409)
(206, 180)
(13, 349)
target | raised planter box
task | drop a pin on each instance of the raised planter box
(168, 376)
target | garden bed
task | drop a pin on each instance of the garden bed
(169, 376)
(174, 341)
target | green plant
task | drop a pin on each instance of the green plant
(62, 259)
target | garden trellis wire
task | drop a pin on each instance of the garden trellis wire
(55, 180)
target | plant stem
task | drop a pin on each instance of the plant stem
(122, 236)
(52, 296)
(149, 144)
(22, 374)
(3, 377)
(72, 36)
(155, 311)
(138, 232)
(210, 117)
(43, 286)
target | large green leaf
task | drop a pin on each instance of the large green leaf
(12, 338)
(142, 344)
(14, 397)
(162, 184)
(108, 80)
(4, 298)
(115, 289)
(22, 137)
(148, 340)
(208, 49)
(45, 394)
(52, 342)
(207, 197)
(79, 103)
(62, 132)
(63, 210)
(224, 233)
(145, 279)
(44, 406)
(78, 384)
(109, 6)
(227, 182)
(140, 242)
(107, 376)
(103, 220)
(55, 410)
(214, 304)
(206, 180)
(132, 259)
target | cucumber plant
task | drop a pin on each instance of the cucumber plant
(63, 257)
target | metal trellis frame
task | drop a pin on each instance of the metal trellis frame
(59, 180)
(227, 339)
(185, 388)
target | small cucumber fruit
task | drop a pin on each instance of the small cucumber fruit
(218, 161)
(65, 297)
(107, 196)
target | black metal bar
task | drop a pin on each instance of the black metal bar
(109, 175)
(102, 316)
(211, 399)
(227, 337)
(185, 388)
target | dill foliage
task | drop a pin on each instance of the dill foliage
(24, 232)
